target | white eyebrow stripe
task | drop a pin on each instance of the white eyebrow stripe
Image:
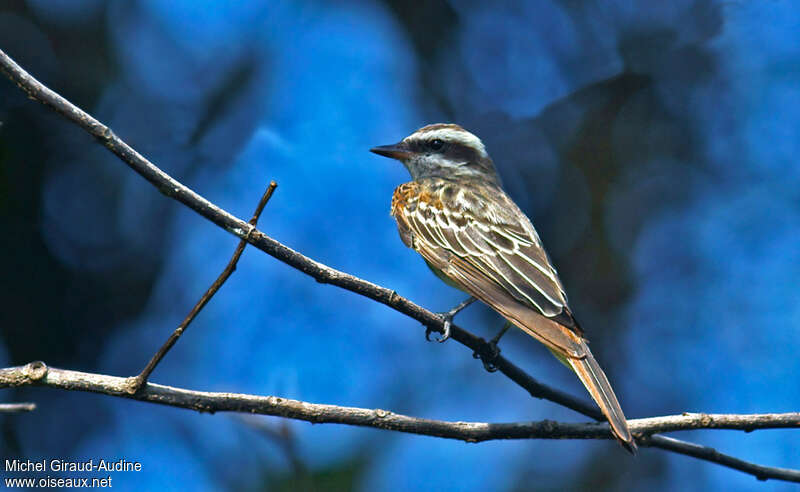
(451, 135)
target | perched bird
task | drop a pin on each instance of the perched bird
(455, 214)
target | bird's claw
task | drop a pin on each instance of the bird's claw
(488, 354)
(447, 318)
(448, 322)
(445, 329)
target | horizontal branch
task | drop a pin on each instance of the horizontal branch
(38, 374)
(17, 407)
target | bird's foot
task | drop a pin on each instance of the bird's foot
(490, 352)
(488, 355)
(448, 322)
(447, 318)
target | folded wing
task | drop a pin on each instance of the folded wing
(491, 251)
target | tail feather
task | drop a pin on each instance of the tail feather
(595, 381)
(567, 344)
(587, 369)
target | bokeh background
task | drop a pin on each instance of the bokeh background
(653, 144)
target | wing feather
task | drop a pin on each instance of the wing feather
(501, 262)
(548, 332)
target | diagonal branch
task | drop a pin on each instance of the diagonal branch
(136, 383)
(322, 273)
(706, 453)
(38, 374)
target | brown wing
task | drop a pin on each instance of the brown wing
(489, 249)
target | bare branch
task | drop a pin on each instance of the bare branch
(706, 453)
(324, 274)
(282, 435)
(38, 374)
(170, 187)
(17, 407)
(136, 383)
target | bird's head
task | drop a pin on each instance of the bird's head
(442, 150)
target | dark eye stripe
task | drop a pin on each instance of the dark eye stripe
(463, 153)
(436, 144)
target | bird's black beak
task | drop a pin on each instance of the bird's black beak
(397, 151)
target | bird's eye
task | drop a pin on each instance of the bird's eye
(436, 144)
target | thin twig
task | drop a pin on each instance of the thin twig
(282, 435)
(136, 383)
(38, 374)
(322, 273)
(706, 453)
(17, 407)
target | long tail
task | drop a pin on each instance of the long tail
(590, 374)
(567, 345)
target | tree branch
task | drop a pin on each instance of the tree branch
(706, 453)
(38, 374)
(170, 187)
(324, 274)
(136, 383)
(17, 407)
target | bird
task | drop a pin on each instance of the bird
(455, 214)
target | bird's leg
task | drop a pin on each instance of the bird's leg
(494, 341)
(492, 350)
(448, 316)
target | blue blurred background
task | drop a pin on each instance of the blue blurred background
(653, 144)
